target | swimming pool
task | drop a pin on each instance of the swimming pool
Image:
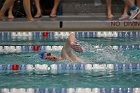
(111, 63)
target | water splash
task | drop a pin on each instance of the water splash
(102, 54)
(108, 54)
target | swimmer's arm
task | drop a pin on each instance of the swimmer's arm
(60, 58)
(63, 54)
(57, 59)
(71, 40)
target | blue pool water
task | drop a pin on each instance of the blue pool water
(97, 50)
(122, 48)
(72, 80)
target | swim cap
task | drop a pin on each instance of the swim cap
(42, 55)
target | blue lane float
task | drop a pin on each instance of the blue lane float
(70, 90)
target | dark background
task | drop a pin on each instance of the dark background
(67, 7)
(46, 6)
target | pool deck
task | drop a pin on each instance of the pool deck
(70, 23)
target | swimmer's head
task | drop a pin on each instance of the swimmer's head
(49, 56)
(42, 55)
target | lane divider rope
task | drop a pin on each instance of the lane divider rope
(70, 90)
(28, 48)
(94, 67)
(64, 35)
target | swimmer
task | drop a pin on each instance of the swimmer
(66, 52)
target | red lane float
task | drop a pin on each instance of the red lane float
(35, 48)
(45, 34)
(15, 67)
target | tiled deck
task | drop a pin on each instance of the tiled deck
(69, 23)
